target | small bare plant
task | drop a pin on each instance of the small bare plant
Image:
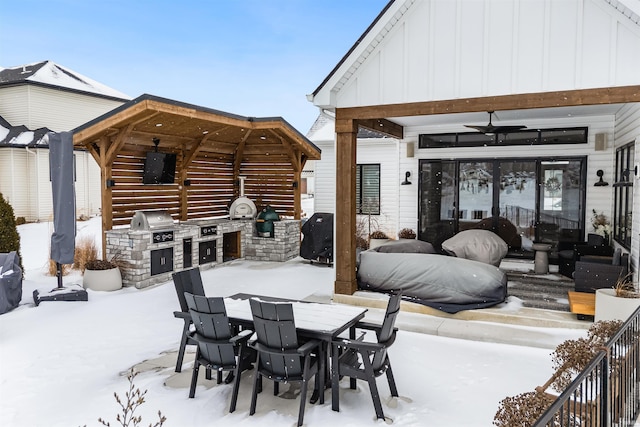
(625, 288)
(86, 250)
(407, 233)
(134, 399)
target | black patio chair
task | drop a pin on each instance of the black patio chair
(217, 349)
(365, 360)
(280, 357)
(186, 281)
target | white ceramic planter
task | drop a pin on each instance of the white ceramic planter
(102, 280)
(611, 307)
(374, 243)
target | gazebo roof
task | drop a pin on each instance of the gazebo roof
(178, 124)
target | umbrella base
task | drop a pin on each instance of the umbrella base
(69, 293)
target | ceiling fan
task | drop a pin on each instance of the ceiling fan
(490, 129)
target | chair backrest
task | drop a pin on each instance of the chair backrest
(387, 330)
(275, 328)
(209, 317)
(187, 281)
(393, 308)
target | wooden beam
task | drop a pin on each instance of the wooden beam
(571, 98)
(345, 218)
(384, 126)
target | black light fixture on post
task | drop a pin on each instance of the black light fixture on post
(601, 182)
(406, 181)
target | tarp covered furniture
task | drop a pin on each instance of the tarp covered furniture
(317, 243)
(446, 283)
(10, 281)
(478, 245)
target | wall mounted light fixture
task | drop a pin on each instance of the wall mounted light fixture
(601, 182)
(406, 181)
(111, 183)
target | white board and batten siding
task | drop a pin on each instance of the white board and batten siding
(59, 110)
(627, 131)
(425, 50)
(383, 151)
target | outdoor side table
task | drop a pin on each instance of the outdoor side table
(541, 259)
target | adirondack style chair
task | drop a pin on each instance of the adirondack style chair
(365, 360)
(186, 281)
(217, 349)
(281, 358)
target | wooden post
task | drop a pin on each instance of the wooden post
(345, 240)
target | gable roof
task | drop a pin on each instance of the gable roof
(21, 136)
(392, 15)
(50, 74)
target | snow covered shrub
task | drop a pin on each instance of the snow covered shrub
(9, 237)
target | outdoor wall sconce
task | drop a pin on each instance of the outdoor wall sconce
(406, 181)
(601, 182)
(111, 183)
(295, 184)
(186, 182)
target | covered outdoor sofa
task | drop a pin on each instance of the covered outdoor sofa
(10, 281)
(447, 283)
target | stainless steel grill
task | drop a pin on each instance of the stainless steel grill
(151, 220)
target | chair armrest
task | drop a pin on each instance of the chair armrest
(304, 350)
(308, 346)
(242, 337)
(359, 345)
(368, 326)
(182, 315)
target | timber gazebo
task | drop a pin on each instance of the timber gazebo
(213, 149)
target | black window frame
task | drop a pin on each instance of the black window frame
(623, 195)
(575, 135)
(361, 208)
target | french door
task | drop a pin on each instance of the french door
(542, 198)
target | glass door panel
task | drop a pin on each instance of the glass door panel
(476, 193)
(438, 194)
(560, 200)
(517, 195)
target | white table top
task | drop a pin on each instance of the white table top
(316, 317)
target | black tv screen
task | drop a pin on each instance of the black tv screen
(159, 168)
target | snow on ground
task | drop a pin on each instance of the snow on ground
(61, 362)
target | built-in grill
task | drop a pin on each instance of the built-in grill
(151, 221)
(160, 225)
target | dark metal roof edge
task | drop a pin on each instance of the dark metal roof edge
(63, 88)
(356, 44)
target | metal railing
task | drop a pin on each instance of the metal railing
(606, 392)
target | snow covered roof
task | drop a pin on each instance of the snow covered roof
(21, 136)
(48, 73)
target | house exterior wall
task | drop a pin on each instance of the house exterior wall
(436, 50)
(24, 173)
(58, 110)
(382, 151)
(628, 130)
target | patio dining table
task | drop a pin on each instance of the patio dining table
(320, 321)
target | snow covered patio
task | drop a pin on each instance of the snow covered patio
(68, 358)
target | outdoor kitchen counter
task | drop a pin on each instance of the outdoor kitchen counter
(152, 255)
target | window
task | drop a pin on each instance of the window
(368, 189)
(623, 195)
(522, 137)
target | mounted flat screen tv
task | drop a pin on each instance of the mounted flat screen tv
(159, 168)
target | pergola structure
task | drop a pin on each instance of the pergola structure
(213, 149)
(389, 119)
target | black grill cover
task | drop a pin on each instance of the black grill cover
(317, 241)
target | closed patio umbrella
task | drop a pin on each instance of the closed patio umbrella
(61, 173)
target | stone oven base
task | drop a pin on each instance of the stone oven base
(224, 240)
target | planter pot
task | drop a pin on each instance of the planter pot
(374, 243)
(611, 307)
(102, 280)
